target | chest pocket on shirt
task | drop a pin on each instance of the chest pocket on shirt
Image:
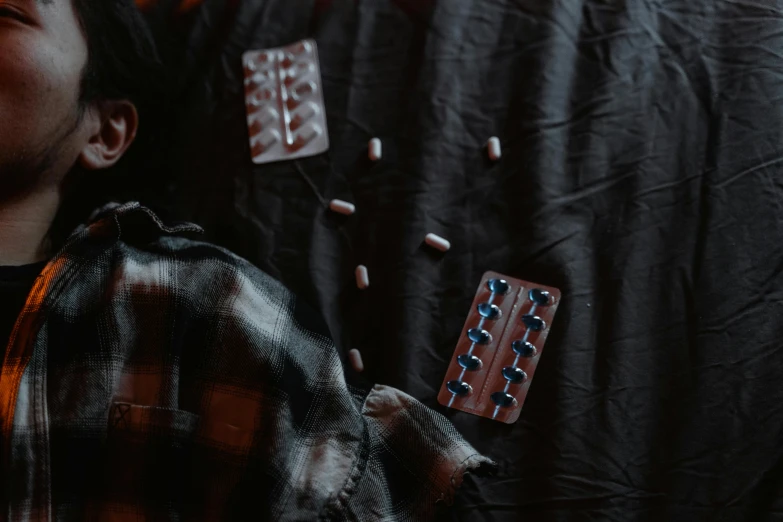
(147, 461)
(168, 463)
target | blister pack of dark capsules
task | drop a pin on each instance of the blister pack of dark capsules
(500, 346)
(286, 115)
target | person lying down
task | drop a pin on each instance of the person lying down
(147, 374)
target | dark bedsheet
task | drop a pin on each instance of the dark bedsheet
(641, 174)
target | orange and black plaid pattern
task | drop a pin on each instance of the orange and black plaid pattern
(154, 377)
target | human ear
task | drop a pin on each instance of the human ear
(118, 123)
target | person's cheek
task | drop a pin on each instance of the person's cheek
(19, 80)
(37, 86)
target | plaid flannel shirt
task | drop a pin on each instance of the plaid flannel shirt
(154, 377)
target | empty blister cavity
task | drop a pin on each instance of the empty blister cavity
(297, 71)
(301, 47)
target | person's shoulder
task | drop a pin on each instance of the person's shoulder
(209, 269)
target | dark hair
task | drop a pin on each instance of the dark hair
(123, 63)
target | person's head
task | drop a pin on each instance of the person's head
(77, 78)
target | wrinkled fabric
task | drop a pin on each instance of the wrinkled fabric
(641, 174)
(155, 377)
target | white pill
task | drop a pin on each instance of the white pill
(437, 242)
(355, 356)
(493, 146)
(375, 149)
(342, 207)
(362, 277)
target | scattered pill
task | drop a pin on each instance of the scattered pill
(375, 151)
(342, 207)
(493, 146)
(355, 356)
(362, 277)
(437, 242)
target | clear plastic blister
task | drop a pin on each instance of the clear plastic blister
(500, 347)
(286, 114)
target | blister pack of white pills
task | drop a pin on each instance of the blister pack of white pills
(286, 115)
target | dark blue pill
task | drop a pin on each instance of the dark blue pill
(498, 286)
(489, 311)
(479, 336)
(458, 388)
(514, 375)
(502, 399)
(523, 348)
(533, 322)
(469, 362)
(540, 297)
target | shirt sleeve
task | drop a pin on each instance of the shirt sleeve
(412, 458)
(321, 449)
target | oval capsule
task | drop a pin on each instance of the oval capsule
(503, 399)
(469, 362)
(524, 348)
(533, 322)
(514, 375)
(540, 297)
(479, 336)
(459, 388)
(489, 311)
(498, 286)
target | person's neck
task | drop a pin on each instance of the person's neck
(24, 225)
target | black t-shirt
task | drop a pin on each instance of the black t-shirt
(15, 285)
